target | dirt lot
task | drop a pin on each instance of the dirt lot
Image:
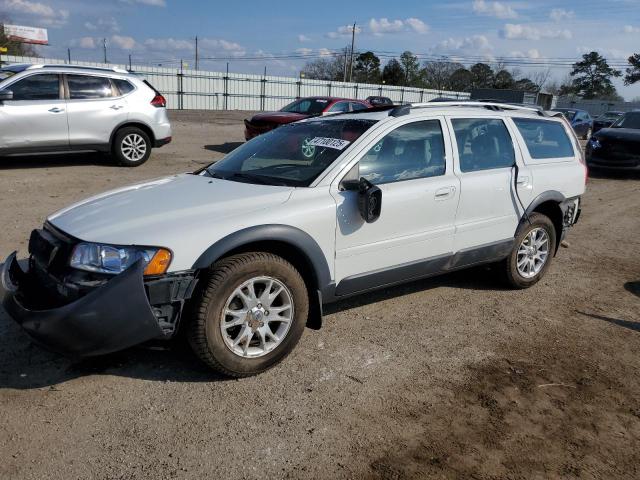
(452, 377)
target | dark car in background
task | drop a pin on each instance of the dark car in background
(617, 147)
(377, 101)
(580, 120)
(606, 120)
(299, 110)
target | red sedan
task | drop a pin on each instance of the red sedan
(298, 110)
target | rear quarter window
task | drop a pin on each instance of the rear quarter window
(123, 86)
(544, 139)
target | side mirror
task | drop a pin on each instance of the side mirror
(369, 198)
(6, 95)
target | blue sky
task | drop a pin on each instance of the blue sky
(250, 33)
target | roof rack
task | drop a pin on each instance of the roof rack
(406, 109)
(77, 67)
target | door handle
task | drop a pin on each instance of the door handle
(444, 192)
(116, 107)
(56, 110)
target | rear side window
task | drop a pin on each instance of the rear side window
(544, 139)
(86, 87)
(355, 106)
(124, 86)
(483, 144)
(339, 107)
(415, 150)
(37, 87)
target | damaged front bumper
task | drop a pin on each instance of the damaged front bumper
(111, 317)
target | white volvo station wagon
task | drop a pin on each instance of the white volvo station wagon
(244, 253)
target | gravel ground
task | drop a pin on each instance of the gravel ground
(452, 377)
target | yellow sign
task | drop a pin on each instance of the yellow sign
(3, 50)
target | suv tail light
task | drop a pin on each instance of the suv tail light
(159, 101)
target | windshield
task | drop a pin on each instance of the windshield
(628, 120)
(292, 155)
(308, 106)
(610, 116)
(569, 114)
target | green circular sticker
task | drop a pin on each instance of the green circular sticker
(308, 150)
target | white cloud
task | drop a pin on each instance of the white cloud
(384, 25)
(532, 54)
(151, 3)
(109, 24)
(513, 31)
(475, 42)
(325, 52)
(87, 42)
(417, 25)
(304, 51)
(344, 31)
(608, 53)
(168, 44)
(123, 42)
(631, 29)
(303, 38)
(47, 16)
(494, 9)
(560, 14)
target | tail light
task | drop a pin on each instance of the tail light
(159, 101)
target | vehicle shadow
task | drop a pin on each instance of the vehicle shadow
(25, 365)
(226, 147)
(614, 321)
(52, 160)
(633, 287)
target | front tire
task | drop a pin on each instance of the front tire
(533, 250)
(251, 314)
(131, 147)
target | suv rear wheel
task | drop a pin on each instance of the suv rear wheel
(131, 147)
(533, 249)
(251, 314)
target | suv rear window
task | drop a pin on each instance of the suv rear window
(544, 139)
(85, 87)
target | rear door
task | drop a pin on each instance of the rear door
(487, 214)
(36, 118)
(95, 108)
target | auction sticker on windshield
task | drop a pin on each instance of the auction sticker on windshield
(335, 143)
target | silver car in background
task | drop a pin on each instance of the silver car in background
(58, 108)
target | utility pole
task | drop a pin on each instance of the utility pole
(197, 56)
(130, 69)
(344, 75)
(104, 48)
(69, 54)
(353, 41)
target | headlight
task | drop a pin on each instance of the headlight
(594, 142)
(94, 257)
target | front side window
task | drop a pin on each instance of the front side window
(292, 155)
(87, 87)
(415, 150)
(483, 144)
(544, 139)
(37, 87)
(628, 120)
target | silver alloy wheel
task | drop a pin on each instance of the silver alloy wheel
(133, 147)
(257, 317)
(533, 253)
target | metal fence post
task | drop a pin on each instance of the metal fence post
(263, 86)
(299, 84)
(402, 95)
(329, 90)
(225, 94)
(421, 96)
(356, 90)
(180, 84)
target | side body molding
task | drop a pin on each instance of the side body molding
(278, 233)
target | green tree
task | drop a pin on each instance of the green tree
(592, 76)
(461, 80)
(367, 68)
(633, 72)
(392, 73)
(411, 68)
(482, 75)
(503, 80)
(13, 47)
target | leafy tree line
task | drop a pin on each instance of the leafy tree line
(591, 77)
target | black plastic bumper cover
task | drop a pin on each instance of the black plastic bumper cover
(110, 318)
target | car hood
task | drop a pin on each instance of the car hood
(278, 117)
(619, 134)
(156, 212)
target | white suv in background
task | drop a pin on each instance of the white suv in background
(244, 253)
(53, 108)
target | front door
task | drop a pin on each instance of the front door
(36, 118)
(414, 233)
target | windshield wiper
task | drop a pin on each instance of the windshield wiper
(254, 179)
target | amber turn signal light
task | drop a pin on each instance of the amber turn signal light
(159, 263)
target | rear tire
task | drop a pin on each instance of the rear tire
(532, 252)
(131, 147)
(251, 313)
